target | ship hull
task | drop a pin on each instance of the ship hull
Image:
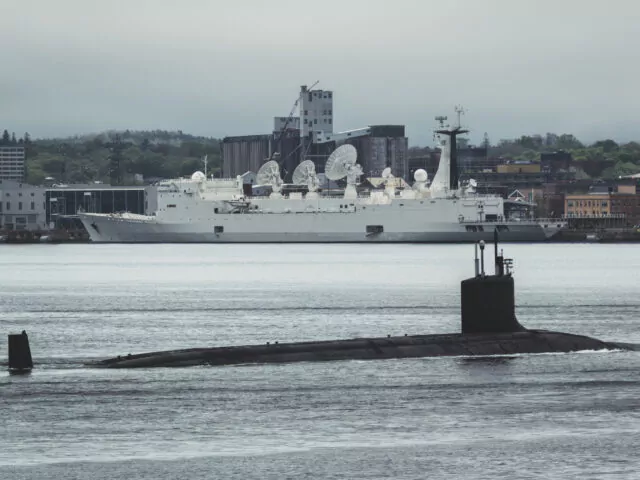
(306, 228)
(415, 346)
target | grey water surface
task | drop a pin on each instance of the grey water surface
(553, 416)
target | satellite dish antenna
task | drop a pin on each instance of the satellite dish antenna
(303, 171)
(386, 173)
(305, 174)
(471, 188)
(340, 161)
(269, 174)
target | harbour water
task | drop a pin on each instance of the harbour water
(553, 416)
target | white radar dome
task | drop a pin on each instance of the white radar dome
(420, 175)
(198, 176)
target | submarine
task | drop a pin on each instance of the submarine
(488, 327)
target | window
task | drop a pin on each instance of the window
(329, 120)
(373, 229)
(33, 205)
(218, 229)
(8, 205)
(306, 112)
(32, 194)
(315, 120)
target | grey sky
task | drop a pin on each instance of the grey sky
(221, 68)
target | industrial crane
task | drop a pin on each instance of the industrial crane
(278, 141)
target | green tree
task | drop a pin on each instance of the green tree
(566, 141)
(607, 146)
(6, 138)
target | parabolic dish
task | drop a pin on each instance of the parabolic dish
(267, 173)
(339, 162)
(303, 172)
(386, 173)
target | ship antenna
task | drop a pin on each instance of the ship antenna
(459, 111)
(205, 166)
(452, 133)
(476, 262)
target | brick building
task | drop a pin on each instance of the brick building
(587, 205)
(627, 201)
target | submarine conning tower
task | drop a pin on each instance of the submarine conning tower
(488, 301)
(20, 360)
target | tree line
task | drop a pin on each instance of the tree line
(9, 140)
(118, 157)
(122, 157)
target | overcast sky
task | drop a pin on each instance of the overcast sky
(226, 67)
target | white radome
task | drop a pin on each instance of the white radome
(198, 177)
(420, 175)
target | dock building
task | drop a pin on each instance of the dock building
(65, 200)
(22, 206)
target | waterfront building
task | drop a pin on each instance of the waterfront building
(588, 205)
(22, 206)
(626, 201)
(63, 201)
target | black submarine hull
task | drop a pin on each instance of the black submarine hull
(488, 327)
(413, 346)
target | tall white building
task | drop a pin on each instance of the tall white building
(12, 163)
(316, 111)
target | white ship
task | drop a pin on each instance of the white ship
(203, 210)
